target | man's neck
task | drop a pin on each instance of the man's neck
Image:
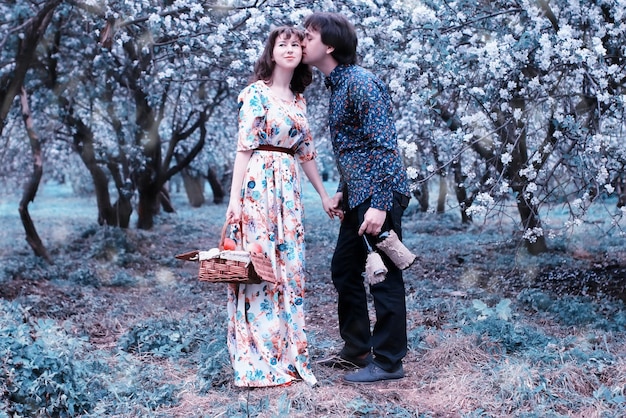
(327, 66)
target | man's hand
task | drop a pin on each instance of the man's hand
(373, 222)
(330, 207)
(336, 205)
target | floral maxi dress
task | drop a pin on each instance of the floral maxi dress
(266, 334)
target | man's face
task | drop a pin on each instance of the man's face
(314, 50)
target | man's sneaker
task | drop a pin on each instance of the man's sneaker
(372, 373)
(342, 361)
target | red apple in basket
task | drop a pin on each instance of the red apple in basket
(229, 244)
(255, 247)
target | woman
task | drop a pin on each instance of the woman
(266, 333)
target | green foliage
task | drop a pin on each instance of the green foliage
(537, 299)
(123, 279)
(570, 310)
(574, 310)
(45, 371)
(501, 311)
(23, 266)
(84, 276)
(198, 338)
(113, 244)
(161, 338)
(40, 371)
(214, 368)
(510, 336)
(361, 407)
(144, 387)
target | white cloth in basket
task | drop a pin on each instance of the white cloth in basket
(242, 256)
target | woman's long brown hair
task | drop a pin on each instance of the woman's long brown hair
(264, 66)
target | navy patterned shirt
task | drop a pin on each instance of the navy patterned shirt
(364, 138)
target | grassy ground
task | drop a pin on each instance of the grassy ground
(118, 327)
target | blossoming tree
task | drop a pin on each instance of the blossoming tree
(503, 100)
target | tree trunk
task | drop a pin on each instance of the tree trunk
(194, 188)
(529, 214)
(216, 187)
(443, 192)
(461, 191)
(151, 198)
(530, 220)
(122, 209)
(422, 195)
(150, 179)
(11, 85)
(31, 187)
(454, 124)
(166, 201)
(149, 201)
(145, 213)
(620, 189)
(113, 215)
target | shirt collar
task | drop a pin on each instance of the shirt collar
(335, 75)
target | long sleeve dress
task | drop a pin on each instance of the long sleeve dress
(266, 331)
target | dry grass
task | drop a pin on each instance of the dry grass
(449, 372)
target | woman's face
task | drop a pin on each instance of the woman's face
(287, 52)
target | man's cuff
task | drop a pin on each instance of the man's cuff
(382, 200)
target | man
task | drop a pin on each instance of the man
(373, 192)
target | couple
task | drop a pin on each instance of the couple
(266, 329)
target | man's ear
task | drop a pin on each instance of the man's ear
(329, 50)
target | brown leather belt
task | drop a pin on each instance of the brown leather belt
(266, 147)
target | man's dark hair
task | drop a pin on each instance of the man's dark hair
(336, 31)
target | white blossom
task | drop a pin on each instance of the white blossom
(532, 234)
(236, 65)
(529, 172)
(231, 81)
(409, 148)
(167, 73)
(603, 174)
(412, 173)
(154, 19)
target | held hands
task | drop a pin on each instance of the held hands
(373, 221)
(332, 206)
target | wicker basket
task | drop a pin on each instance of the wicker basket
(232, 266)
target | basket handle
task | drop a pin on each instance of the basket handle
(223, 236)
(189, 256)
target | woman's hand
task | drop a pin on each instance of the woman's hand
(330, 205)
(335, 206)
(233, 213)
(331, 208)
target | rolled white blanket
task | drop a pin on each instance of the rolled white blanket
(207, 255)
(399, 254)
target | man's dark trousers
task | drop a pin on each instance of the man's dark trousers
(388, 339)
